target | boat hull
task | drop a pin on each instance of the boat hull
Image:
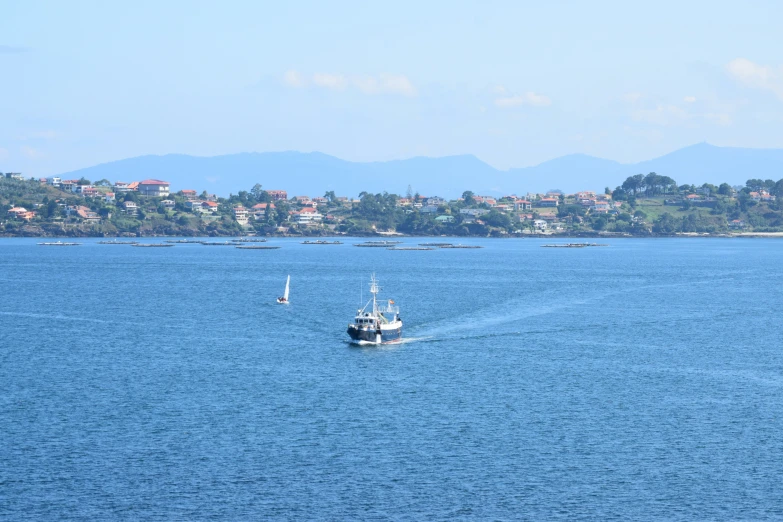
(388, 335)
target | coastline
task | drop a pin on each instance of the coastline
(586, 235)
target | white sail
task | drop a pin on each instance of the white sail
(287, 283)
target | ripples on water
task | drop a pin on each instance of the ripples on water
(639, 381)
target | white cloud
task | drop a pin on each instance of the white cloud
(293, 79)
(384, 83)
(719, 118)
(397, 84)
(689, 99)
(528, 98)
(329, 81)
(31, 153)
(632, 97)
(757, 76)
(663, 114)
(40, 135)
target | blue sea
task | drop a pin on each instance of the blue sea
(638, 381)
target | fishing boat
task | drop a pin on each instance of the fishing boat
(377, 324)
(284, 299)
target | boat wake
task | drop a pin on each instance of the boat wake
(396, 342)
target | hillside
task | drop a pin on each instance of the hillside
(315, 173)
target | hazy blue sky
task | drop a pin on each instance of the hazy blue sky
(513, 82)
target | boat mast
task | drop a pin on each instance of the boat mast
(374, 289)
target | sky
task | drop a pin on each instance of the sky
(515, 83)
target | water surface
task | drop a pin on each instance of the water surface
(643, 380)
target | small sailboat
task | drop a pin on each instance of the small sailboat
(284, 299)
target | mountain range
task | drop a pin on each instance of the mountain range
(315, 173)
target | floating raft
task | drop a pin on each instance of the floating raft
(59, 243)
(224, 243)
(462, 246)
(117, 242)
(439, 245)
(254, 247)
(319, 242)
(153, 245)
(573, 245)
(249, 240)
(183, 241)
(410, 248)
(378, 244)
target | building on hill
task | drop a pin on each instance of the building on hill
(154, 187)
(548, 202)
(54, 181)
(522, 204)
(69, 185)
(14, 175)
(473, 212)
(307, 216)
(130, 208)
(241, 215)
(108, 197)
(737, 224)
(86, 214)
(189, 194)
(21, 213)
(277, 195)
(209, 206)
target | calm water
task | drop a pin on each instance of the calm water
(639, 381)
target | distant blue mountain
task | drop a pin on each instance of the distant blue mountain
(315, 173)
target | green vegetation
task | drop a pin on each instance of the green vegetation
(643, 205)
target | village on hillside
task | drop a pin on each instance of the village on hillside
(643, 205)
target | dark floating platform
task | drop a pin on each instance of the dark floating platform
(320, 242)
(153, 245)
(410, 248)
(184, 241)
(223, 243)
(114, 242)
(573, 245)
(59, 243)
(254, 247)
(378, 244)
(249, 240)
(439, 245)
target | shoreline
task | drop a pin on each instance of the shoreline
(736, 235)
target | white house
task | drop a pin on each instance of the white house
(474, 212)
(154, 187)
(307, 216)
